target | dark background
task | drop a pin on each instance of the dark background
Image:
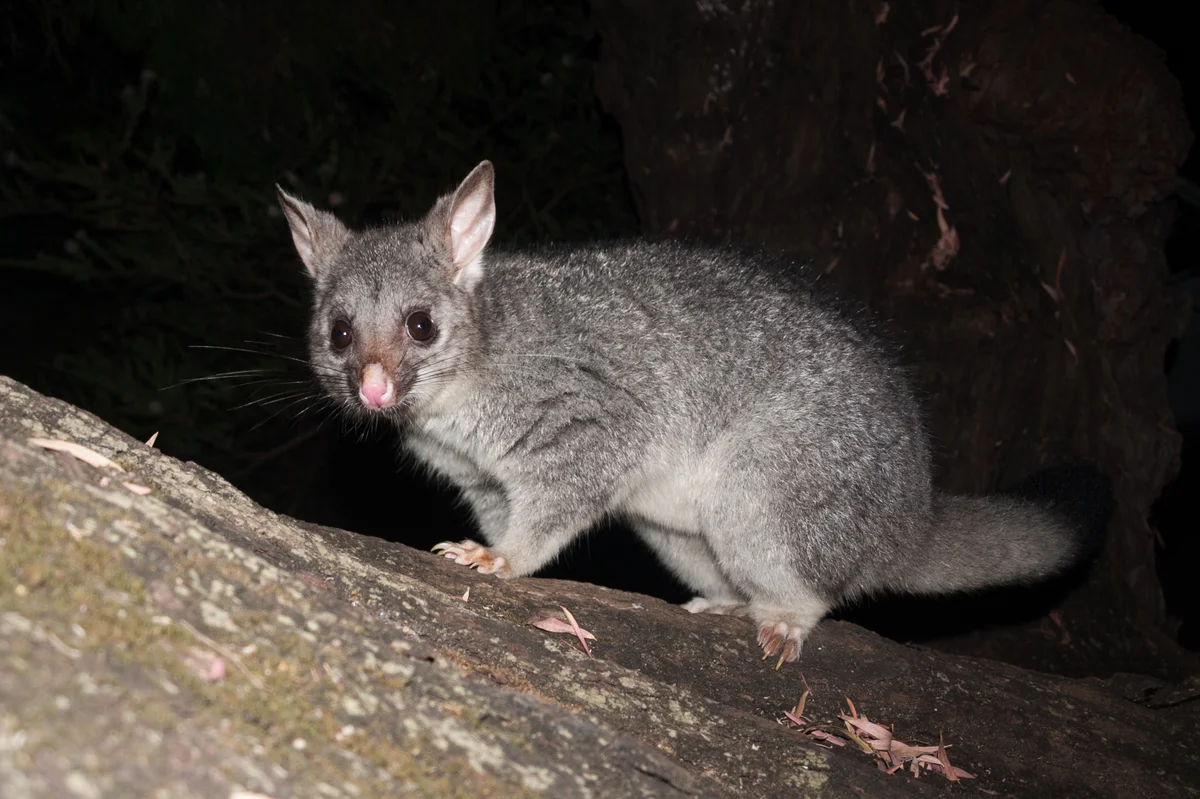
(141, 142)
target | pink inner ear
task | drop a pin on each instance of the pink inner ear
(302, 237)
(471, 226)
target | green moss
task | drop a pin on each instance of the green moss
(49, 575)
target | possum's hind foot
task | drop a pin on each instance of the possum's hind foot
(783, 631)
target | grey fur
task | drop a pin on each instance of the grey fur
(759, 436)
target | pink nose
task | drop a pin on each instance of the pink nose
(375, 390)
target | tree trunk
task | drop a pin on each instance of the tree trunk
(994, 182)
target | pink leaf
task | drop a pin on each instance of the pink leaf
(821, 735)
(552, 624)
(799, 711)
(869, 727)
(797, 720)
(905, 752)
(580, 633)
(88, 456)
(945, 759)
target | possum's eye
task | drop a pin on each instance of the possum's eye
(341, 335)
(421, 327)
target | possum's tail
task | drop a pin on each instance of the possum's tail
(1050, 523)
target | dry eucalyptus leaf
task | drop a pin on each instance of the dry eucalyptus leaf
(79, 451)
(552, 624)
(880, 741)
(579, 631)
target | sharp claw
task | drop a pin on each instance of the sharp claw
(474, 556)
(782, 640)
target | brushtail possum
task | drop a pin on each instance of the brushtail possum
(755, 432)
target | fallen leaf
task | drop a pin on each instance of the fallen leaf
(945, 759)
(552, 624)
(869, 727)
(88, 456)
(903, 751)
(863, 745)
(799, 711)
(935, 765)
(794, 718)
(579, 631)
(821, 735)
(878, 740)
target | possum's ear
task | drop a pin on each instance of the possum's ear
(318, 235)
(465, 222)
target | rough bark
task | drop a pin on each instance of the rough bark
(193, 643)
(991, 179)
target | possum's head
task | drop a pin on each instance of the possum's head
(393, 323)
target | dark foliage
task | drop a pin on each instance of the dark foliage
(141, 144)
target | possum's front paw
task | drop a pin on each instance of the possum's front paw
(477, 556)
